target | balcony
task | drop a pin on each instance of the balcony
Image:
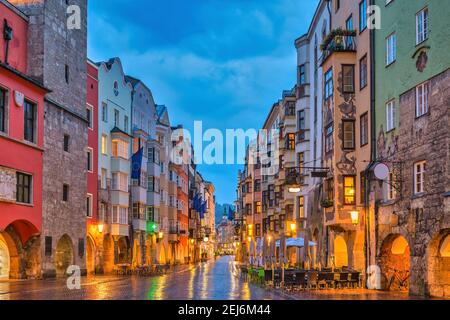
(139, 194)
(119, 164)
(139, 224)
(338, 41)
(153, 169)
(153, 199)
(120, 198)
(121, 230)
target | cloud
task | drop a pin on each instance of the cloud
(222, 62)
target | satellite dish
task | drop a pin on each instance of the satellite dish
(381, 171)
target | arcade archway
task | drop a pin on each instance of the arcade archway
(395, 263)
(340, 252)
(4, 259)
(108, 254)
(90, 255)
(64, 255)
(439, 265)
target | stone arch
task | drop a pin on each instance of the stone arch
(4, 259)
(162, 254)
(64, 256)
(108, 254)
(439, 265)
(340, 252)
(90, 255)
(10, 254)
(395, 263)
(123, 250)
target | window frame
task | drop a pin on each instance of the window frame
(329, 136)
(422, 173)
(420, 17)
(34, 123)
(352, 67)
(364, 129)
(90, 206)
(365, 74)
(90, 109)
(392, 36)
(328, 91)
(105, 112)
(66, 193)
(4, 95)
(362, 22)
(425, 97)
(391, 122)
(344, 140)
(346, 187)
(90, 167)
(24, 187)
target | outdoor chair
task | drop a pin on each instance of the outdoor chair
(330, 280)
(343, 280)
(322, 280)
(300, 280)
(289, 280)
(313, 280)
(355, 280)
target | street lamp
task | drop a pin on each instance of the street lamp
(100, 227)
(160, 235)
(206, 240)
(355, 217)
(293, 227)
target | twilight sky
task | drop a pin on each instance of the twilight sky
(223, 62)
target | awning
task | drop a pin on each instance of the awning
(296, 242)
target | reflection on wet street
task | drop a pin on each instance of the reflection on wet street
(214, 280)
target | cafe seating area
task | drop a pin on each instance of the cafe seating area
(296, 280)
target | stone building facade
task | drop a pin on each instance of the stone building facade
(57, 57)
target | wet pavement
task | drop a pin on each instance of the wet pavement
(214, 280)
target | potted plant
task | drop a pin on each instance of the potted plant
(326, 203)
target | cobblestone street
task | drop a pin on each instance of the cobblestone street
(208, 281)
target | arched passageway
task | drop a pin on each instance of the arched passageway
(340, 252)
(90, 255)
(108, 254)
(123, 250)
(439, 265)
(395, 263)
(4, 259)
(64, 255)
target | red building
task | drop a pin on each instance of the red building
(21, 151)
(95, 217)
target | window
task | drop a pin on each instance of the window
(329, 84)
(348, 128)
(348, 78)
(419, 177)
(116, 117)
(301, 164)
(23, 191)
(119, 215)
(390, 116)
(120, 181)
(421, 26)
(125, 124)
(301, 75)
(391, 49)
(257, 187)
(89, 117)
(120, 149)
(65, 192)
(48, 246)
(363, 72)
(301, 207)
(29, 121)
(362, 15)
(66, 73)
(89, 205)
(391, 194)
(291, 141)
(301, 124)
(90, 159)
(258, 207)
(338, 5)
(2, 110)
(103, 179)
(104, 144)
(153, 184)
(102, 212)
(349, 26)
(363, 188)
(154, 155)
(364, 129)
(349, 190)
(422, 92)
(258, 230)
(329, 139)
(329, 189)
(104, 112)
(66, 142)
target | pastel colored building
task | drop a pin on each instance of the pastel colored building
(95, 218)
(114, 163)
(21, 158)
